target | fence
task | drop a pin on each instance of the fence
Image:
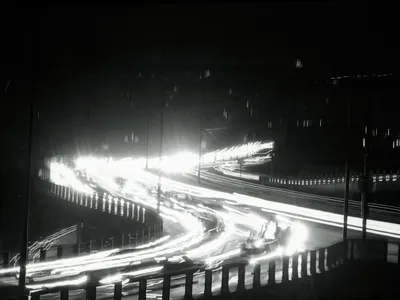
(298, 266)
(327, 179)
(103, 202)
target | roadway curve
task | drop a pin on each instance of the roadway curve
(214, 223)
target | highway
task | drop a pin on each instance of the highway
(207, 225)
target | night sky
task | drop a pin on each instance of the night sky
(84, 57)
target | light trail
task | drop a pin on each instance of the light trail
(195, 243)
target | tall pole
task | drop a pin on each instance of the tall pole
(147, 145)
(26, 207)
(347, 173)
(200, 149)
(160, 160)
(364, 200)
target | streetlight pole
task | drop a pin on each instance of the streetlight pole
(200, 149)
(160, 160)
(347, 174)
(147, 145)
(26, 207)
(365, 182)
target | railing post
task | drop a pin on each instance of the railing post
(304, 264)
(225, 280)
(42, 254)
(64, 294)
(271, 271)
(241, 277)
(295, 266)
(329, 257)
(207, 283)
(166, 289)
(189, 285)
(285, 268)
(257, 276)
(386, 252)
(91, 292)
(59, 251)
(142, 289)
(35, 296)
(313, 262)
(398, 254)
(321, 260)
(118, 291)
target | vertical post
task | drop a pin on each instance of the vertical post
(271, 271)
(42, 254)
(364, 200)
(142, 289)
(200, 149)
(347, 174)
(64, 294)
(91, 292)
(189, 285)
(118, 291)
(160, 161)
(313, 262)
(295, 266)
(241, 277)
(24, 245)
(285, 268)
(321, 260)
(225, 280)
(147, 145)
(166, 289)
(208, 283)
(304, 256)
(257, 276)
(59, 251)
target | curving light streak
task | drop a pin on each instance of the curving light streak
(118, 277)
(78, 281)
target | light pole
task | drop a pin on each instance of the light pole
(160, 160)
(347, 173)
(365, 183)
(147, 144)
(200, 150)
(26, 207)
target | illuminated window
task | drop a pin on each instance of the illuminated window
(247, 103)
(269, 124)
(304, 123)
(320, 122)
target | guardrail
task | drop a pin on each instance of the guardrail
(379, 179)
(298, 266)
(103, 202)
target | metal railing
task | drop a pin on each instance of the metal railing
(298, 266)
(100, 202)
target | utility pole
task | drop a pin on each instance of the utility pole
(200, 149)
(347, 173)
(365, 182)
(26, 207)
(160, 160)
(147, 145)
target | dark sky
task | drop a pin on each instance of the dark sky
(76, 53)
(74, 41)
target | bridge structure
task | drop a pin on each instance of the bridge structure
(296, 274)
